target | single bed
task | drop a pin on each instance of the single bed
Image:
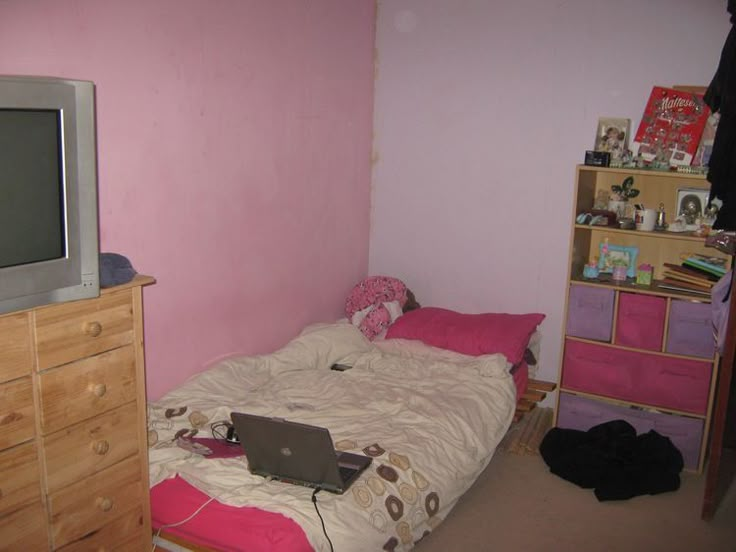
(431, 418)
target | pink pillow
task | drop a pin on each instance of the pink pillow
(470, 334)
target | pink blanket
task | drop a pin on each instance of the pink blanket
(222, 527)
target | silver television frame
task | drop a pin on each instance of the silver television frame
(76, 275)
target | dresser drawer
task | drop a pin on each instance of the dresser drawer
(79, 329)
(668, 382)
(123, 534)
(16, 412)
(95, 502)
(86, 388)
(25, 529)
(15, 346)
(91, 446)
(19, 481)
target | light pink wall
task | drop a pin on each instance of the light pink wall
(234, 157)
(482, 111)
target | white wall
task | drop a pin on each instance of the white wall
(482, 110)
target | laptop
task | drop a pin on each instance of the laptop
(296, 453)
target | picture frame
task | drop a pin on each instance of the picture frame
(692, 196)
(610, 254)
(612, 136)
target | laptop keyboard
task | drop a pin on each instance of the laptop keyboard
(346, 473)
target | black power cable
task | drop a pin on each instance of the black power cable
(324, 530)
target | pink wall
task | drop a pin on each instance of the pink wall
(483, 109)
(234, 157)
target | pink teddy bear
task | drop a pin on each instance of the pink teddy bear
(376, 302)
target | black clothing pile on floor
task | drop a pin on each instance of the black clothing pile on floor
(612, 459)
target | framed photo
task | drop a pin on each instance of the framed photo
(692, 203)
(611, 255)
(612, 136)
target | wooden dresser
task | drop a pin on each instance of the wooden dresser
(73, 439)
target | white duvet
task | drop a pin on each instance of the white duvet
(431, 418)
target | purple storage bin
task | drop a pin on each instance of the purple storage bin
(590, 312)
(691, 329)
(583, 413)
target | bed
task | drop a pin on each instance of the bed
(430, 417)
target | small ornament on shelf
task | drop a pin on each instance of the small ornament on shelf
(618, 271)
(644, 274)
(661, 224)
(620, 195)
(590, 270)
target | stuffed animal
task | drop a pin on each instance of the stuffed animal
(376, 302)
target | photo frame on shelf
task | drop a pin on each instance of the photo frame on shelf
(612, 136)
(691, 201)
(611, 255)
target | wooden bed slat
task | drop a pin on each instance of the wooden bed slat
(534, 395)
(536, 391)
(540, 385)
(525, 406)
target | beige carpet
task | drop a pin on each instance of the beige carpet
(525, 436)
(518, 506)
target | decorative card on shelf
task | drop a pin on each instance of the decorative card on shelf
(671, 127)
(705, 148)
(617, 255)
(613, 136)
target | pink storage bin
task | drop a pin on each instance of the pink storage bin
(583, 413)
(590, 312)
(640, 321)
(691, 329)
(679, 384)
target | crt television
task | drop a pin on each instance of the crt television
(49, 248)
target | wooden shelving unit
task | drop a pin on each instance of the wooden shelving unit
(590, 397)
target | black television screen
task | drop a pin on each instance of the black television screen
(32, 225)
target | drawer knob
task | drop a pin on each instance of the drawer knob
(101, 447)
(98, 389)
(93, 329)
(104, 504)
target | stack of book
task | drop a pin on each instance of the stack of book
(697, 274)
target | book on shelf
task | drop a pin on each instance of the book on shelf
(691, 272)
(676, 285)
(671, 126)
(719, 262)
(705, 284)
(704, 266)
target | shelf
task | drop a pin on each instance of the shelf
(626, 367)
(648, 173)
(630, 285)
(680, 236)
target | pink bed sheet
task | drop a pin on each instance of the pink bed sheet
(220, 526)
